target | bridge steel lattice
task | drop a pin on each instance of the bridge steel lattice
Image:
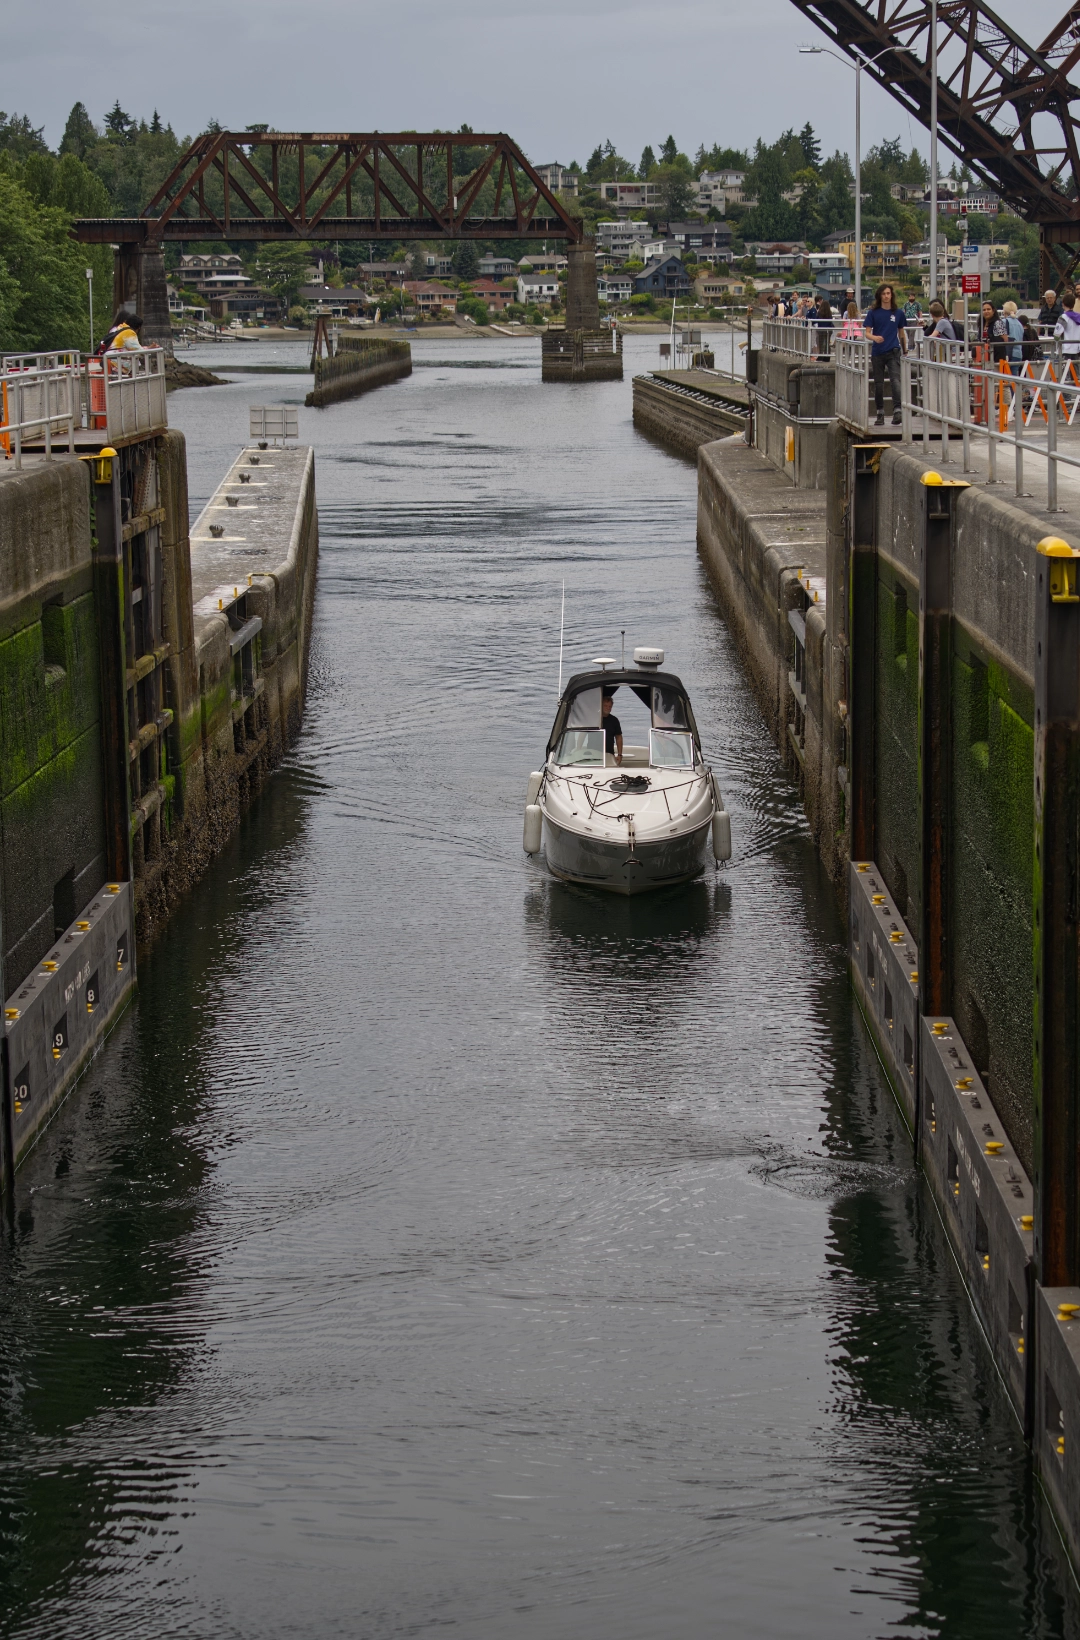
(275, 185)
(1004, 107)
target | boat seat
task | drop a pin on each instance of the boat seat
(635, 757)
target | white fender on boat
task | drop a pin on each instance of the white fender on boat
(534, 820)
(721, 835)
(535, 780)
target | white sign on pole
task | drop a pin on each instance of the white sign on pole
(975, 264)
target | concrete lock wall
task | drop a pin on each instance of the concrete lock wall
(227, 741)
(97, 606)
(915, 700)
(360, 363)
(51, 839)
(60, 1014)
(681, 418)
(794, 406)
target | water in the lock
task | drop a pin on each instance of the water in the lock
(438, 1249)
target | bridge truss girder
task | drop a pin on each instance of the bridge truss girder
(305, 187)
(1004, 107)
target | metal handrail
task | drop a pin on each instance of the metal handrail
(57, 393)
(997, 401)
(46, 380)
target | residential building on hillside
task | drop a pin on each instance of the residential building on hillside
(495, 295)
(429, 297)
(260, 305)
(717, 288)
(884, 256)
(558, 178)
(497, 267)
(664, 276)
(438, 266)
(702, 241)
(831, 271)
(342, 303)
(716, 190)
(391, 272)
(542, 262)
(539, 289)
(631, 196)
(614, 287)
(615, 238)
(214, 274)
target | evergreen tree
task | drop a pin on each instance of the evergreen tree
(648, 160)
(466, 260)
(668, 152)
(19, 138)
(80, 133)
(596, 159)
(118, 125)
(155, 123)
(810, 146)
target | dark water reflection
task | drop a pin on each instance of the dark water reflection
(437, 1246)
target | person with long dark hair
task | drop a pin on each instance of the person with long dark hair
(885, 329)
(994, 332)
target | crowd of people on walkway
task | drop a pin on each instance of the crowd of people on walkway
(1008, 338)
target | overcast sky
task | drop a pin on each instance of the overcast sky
(559, 81)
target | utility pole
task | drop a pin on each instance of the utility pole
(933, 154)
(90, 285)
(858, 183)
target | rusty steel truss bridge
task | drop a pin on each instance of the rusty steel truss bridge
(277, 185)
(1004, 107)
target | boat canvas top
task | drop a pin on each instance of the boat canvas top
(642, 680)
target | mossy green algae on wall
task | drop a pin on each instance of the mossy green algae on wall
(51, 830)
(990, 879)
(896, 737)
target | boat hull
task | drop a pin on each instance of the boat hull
(597, 863)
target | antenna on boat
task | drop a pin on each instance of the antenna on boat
(562, 619)
(623, 636)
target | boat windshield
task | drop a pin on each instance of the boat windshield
(581, 746)
(669, 749)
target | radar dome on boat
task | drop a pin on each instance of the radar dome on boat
(604, 661)
(647, 656)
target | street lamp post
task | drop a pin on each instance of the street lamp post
(859, 64)
(933, 153)
(90, 287)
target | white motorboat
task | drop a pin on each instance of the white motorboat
(645, 822)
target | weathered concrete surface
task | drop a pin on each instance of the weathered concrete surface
(232, 728)
(51, 833)
(794, 405)
(682, 413)
(763, 541)
(361, 363)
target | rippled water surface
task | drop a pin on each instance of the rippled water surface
(437, 1247)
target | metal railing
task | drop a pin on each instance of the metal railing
(49, 397)
(40, 396)
(1022, 405)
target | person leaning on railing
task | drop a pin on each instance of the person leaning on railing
(885, 328)
(122, 334)
(1051, 309)
(939, 327)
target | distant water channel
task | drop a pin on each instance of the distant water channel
(436, 1248)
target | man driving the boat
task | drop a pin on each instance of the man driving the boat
(612, 728)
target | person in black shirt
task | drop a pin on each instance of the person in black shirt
(612, 728)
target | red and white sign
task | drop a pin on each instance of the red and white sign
(972, 283)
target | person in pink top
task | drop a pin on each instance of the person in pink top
(852, 328)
